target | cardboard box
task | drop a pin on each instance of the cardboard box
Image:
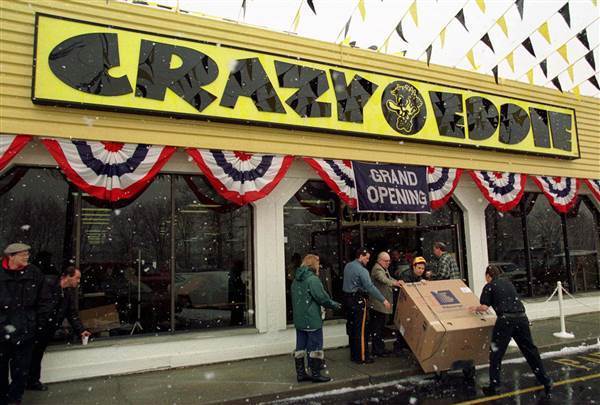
(438, 327)
(100, 318)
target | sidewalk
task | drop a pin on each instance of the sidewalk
(270, 378)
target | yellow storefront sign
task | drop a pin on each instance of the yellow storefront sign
(80, 64)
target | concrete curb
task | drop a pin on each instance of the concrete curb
(373, 378)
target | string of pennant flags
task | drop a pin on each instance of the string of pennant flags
(506, 22)
(115, 171)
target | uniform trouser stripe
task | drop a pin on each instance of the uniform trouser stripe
(362, 332)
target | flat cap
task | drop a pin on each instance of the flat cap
(16, 248)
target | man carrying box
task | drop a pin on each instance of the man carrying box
(511, 322)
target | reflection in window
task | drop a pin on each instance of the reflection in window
(33, 209)
(213, 272)
(583, 234)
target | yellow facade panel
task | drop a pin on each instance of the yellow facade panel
(19, 115)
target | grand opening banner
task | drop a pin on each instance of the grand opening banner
(81, 64)
(391, 188)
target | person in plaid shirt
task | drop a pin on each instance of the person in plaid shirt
(446, 267)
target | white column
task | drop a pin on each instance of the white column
(473, 205)
(269, 256)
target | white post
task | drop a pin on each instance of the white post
(563, 332)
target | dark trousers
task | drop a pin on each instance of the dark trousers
(16, 358)
(356, 325)
(518, 329)
(37, 353)
(309, 340)
(376, 324)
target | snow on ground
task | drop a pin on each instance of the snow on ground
(421, 380)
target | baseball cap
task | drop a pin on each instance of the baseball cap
(419, 259)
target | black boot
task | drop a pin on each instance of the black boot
(315, 362)
(300, 370)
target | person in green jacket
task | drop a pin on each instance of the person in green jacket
(308, 296)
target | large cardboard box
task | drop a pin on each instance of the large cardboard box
(440, 330)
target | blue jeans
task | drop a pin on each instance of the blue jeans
(311, 341)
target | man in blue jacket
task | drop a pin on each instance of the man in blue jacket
(357, 287)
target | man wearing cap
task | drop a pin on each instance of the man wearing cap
(378, 313)
(446, 267)
(357, 287)
(21, 300)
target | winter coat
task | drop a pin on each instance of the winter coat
(308, 295)
(21, 302)
(384, 283)
(63, 304)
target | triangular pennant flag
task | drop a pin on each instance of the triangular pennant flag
(244, 8)
(502, 24)
(312, 6)
(347, 27)
(443, 37)
(583, 38)
(589, 57)
(481, 4)
(428, 51)
(471, 59)
(563, 52)
(511, 63)
(520, 4)
(399, 31)
(413, 13)
(570, 72)
(576, 91)
(361, 8)
(594, 82)
(346, 41)
(296, 20)
(495, 72)
(543, 30)
(544, 67)
(556, 83)
(486, 40)
(529, 46)
(530, 76)
(564, 11)
(460, 16)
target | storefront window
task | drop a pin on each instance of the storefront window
(213, 271)
(583, 234)
(33, 209)
(124, 262)
(316, 220)
(124, 251)
(534, 227)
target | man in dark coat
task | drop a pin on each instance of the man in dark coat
(500, 294)
(22, 304)
(62, 293)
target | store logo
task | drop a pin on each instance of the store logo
(403, 107)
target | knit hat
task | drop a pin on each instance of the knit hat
(16, 248)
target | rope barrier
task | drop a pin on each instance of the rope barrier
(582, 303)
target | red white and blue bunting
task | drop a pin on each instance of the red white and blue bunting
(561, 191)
(338, 175)
(110, 171)
(502, 190)
(241, 177)
(10, 145)
(594, 185)
(441, 182)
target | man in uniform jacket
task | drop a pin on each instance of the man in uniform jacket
(357, 287)
(22, 302)
(378, 312)
(500, 294)
(62, 293)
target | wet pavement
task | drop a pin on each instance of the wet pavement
(576, 377)
(396, 380)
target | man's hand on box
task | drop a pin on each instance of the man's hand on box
(479, 309)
